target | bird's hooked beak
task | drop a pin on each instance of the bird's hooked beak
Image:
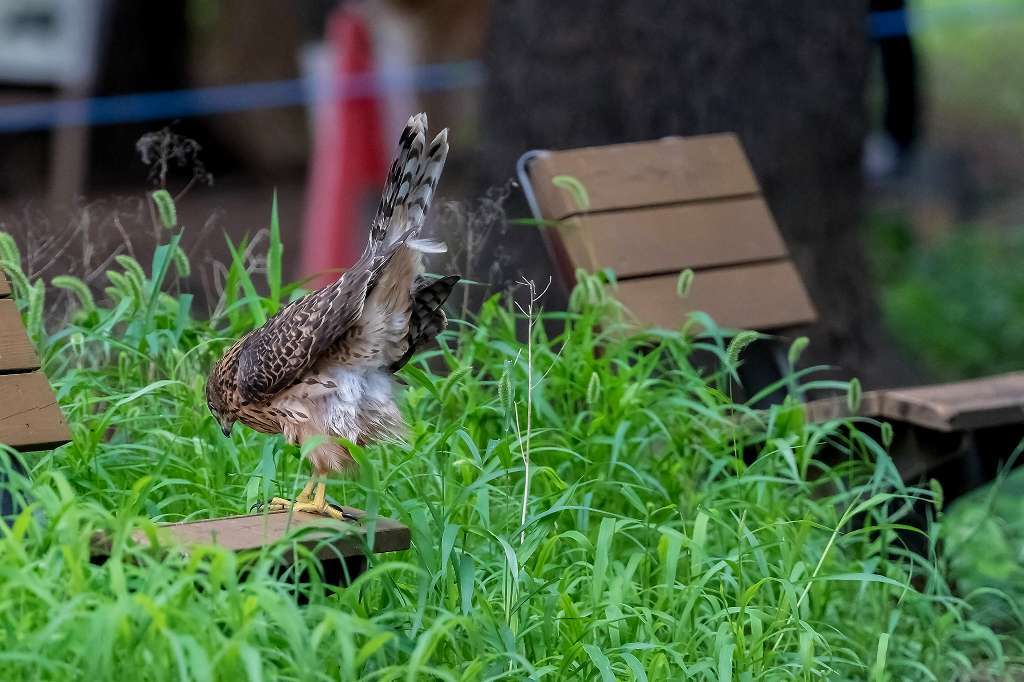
(225, 428)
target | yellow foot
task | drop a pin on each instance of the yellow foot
(311, 503)
(323, 508)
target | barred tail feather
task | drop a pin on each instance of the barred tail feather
(428, 174)
(409, 188)
(400, 175)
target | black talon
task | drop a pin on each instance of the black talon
(348, 517)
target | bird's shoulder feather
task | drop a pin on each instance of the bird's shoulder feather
(277, 354)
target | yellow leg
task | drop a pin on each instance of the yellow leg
(307, 490)
(306, 495)
(317, 505)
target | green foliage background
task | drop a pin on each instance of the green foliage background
(958, 305)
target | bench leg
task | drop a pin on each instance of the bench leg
(337, 571)
(342, 572)
(763, 363)
(10, 506)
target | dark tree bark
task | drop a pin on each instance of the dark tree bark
(787, 75)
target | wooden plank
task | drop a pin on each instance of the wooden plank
(761, 296)
(642, 174)
(16, 351)
(318, 533)
(960, 406)
(30, 418)
(670, 239)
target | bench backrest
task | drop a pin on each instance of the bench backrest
(656, 208)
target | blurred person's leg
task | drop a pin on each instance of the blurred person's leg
(899, 73)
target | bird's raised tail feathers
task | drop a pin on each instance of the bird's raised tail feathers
(409, 189)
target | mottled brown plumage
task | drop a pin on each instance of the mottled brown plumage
(321, 367)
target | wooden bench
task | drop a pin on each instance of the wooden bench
(31, 421)
(651, 209)
(657, 208)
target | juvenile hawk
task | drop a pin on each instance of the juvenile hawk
(321, 368)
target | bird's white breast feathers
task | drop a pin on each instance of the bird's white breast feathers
(355, 403)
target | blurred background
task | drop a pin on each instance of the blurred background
(888, 136)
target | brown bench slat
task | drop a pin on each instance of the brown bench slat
(642, 174)
(16, 351)
(958, 406)
(30, 418)
(670, 239)
(963, 405)
(764, 296)
(253, 531)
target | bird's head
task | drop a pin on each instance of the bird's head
(216, 400)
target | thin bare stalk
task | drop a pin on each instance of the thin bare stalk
(524, 441)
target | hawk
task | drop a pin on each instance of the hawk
(322, 367)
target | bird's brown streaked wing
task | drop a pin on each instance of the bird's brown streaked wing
(277, 354)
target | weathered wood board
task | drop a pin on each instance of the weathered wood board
(317, 533)
(959, 406)
(755, 296)
(16, 351)
(652, 241)
(644, 174)
(30, 418)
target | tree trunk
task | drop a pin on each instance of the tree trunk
(787, 75)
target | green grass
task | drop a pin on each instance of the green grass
(651, 549)
(986, 528)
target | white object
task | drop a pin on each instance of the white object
(49, 42)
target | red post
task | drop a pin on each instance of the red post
(348, 163)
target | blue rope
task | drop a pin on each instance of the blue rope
(168, 104)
